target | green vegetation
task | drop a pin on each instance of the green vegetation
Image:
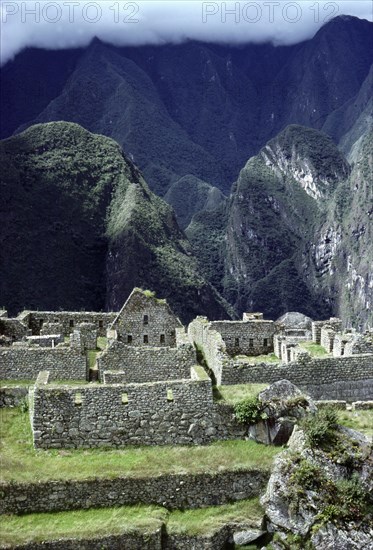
(236, 393)
(320, 428)
(314, 349)
(78, 195)
(361, 421)
(265, 358)
(87, 524)
(25, 383)
(207, 520)
(81, 524)
(340, 501)
(249, 411)
(101, 342)
(20, 462)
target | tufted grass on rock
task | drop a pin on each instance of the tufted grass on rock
(21, 462)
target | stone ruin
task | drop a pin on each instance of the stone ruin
(146, 384)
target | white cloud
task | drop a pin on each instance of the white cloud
(71, 23)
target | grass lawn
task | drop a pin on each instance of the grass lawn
(85, 524)
(314, 349)
(23, 383)
(203, 521)
(236, 393)
(92, 353)
(268, 358)
(21, 462)
(362, 421)
(81, 523)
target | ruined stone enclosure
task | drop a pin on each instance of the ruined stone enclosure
(144, 385)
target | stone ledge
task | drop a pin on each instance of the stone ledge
(172, 491)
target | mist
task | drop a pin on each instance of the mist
(70, 24)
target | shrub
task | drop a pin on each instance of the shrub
(249, 411)
(320, 427)
(307, 475)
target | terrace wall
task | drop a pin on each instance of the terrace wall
(349, 377)
(156, 413)
(147, 364)
(23, 363)
(170, 490)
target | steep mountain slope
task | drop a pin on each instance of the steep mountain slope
(340, 256)
(350, 122)
(190, 195)
(296, 232)
(80, 227)
(199, 109)
(121, 101)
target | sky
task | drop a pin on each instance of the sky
(72, 23)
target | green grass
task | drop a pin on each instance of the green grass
(21, 462)
(362, 421)
(92, 353)
(236, 393)
(204, 521)
(101, 342)
(267, 358)
(81, 523)
(24, 383)
(314, 349)
(88, 524)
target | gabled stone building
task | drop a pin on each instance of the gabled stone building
(145, 320)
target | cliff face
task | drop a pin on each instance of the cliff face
(80, 228)
(195, 109)
(296, 230)
(340, 256)
(292, 233)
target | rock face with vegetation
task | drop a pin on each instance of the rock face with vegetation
(80, 228)
(320, 491)
(295, 232)
(282, 405)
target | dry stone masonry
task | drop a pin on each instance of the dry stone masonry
(151, 391)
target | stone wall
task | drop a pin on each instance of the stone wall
(147, 364)
(145, 320)
(132, 540)
(349, 378)
(157, 413)
(69, 320)
(88, 335)
(212, 345)
(13, 328)
(327, 335)
(13, 396)
(174, 491)
(253, 337)
(22, 363)
(51, 328)
(334, 323)
(160, 539)
(45, 341)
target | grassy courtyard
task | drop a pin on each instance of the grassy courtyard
(21, 462)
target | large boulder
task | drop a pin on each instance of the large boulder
(284, 405)
(321, 498)
(293, 319)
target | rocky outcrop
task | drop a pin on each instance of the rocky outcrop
(283, 404)
(321, 496)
